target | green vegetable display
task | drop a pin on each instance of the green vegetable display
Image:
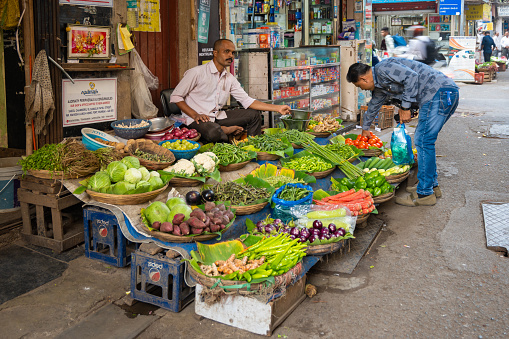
(292, 193)
(376, 162)
(297, 137)
(344, 151)
(278, 181)
(309, 164)
(239, 194)
(230, 154)
(374, 182)
(266, 143)
(151, 157)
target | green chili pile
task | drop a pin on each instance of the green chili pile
(230, 154)
(239, 194)
(280, 180)
(297, 137)
(266, 143)
(309, 164)
(344, 151)
(292, 193)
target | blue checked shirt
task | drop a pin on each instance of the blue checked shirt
(407, 80)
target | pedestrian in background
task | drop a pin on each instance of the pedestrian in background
(504, 43)
(487, 46)
(498, 50)
(387, 46)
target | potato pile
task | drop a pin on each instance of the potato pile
(119, 146)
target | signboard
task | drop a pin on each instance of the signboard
(503, 11)
(205, 49)
(368, 11)
(462, 58)
(450, 7)
(149, 18)
(358, 6)
(478, 12)
(89, 101)
(203, 21)
(100, 3)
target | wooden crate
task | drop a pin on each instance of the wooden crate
(501, 66)
(54, 227)
(384, 119)
(488, 76)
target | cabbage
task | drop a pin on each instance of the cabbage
(175, 201)
(132, 175)
(180, 208)
(131, 162)
(98, 181)
(155, 182)
(122, 187)
(116, 171)
(145, 174)
(155, 174)
(157, 211)
(143, 187)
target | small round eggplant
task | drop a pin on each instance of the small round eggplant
(317, 224)
(332, 227)
(259, 224)
(269, 228)
(312, 238)
(292, 237)
(324, 231)
(193, 198)
(304, 233)
(341, 231)
(302, 239)
(315, 231)
(294, 231)
(208, 195)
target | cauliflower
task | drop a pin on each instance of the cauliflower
(213, 156)
(183, 166)
(204, 163)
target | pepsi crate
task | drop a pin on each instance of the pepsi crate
(104, 240)
(159, 280)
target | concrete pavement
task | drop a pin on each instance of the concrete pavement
(428, 274)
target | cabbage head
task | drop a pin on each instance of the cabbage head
(116, 171)
(98, 181)
(131, 162)
(132, 175)
(155, 174)
(122, 187)
(143, 187)
(145, 174)
(157, 211)
(155, 182)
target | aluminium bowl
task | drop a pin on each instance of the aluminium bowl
(299, 125)
(301, 115)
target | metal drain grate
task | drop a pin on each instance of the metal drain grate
(496, 225)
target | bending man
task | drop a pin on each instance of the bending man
(205, 89)
(414, 84)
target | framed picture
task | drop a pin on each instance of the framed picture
(88, 42)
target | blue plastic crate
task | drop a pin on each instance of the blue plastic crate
(159, 280)
(104, 240)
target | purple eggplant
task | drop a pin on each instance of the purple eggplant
(334, 235)
(322, 237)
(312, 238)
(327, 235)
(317, 224)
(277, 221)
(341, 231)
(292, 237)
(324, 231)
(295, 231)
(303, 239)
(259, 224)
(269, 228)
(305, 233)
(315, 231)
(332, 227)
(285, 230)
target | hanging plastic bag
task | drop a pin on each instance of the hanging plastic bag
(141, 99)
(401, 146)
(140, 67)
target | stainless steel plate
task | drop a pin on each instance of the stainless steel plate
(159, 124)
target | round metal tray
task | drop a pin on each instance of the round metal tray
(160, 124)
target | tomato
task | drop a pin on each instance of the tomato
(364, 139)
(359, 137)
(362, 144)
(348, 142)
(371, 141)
(356, 143)
(379, 144)
(348, 139)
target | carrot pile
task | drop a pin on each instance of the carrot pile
(360, 202)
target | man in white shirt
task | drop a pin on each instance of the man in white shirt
(387, 46)
(205, 89)
(498, 50)
(504, 43)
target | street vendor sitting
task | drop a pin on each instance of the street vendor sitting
(205, 89)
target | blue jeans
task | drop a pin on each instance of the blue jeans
(432, 116)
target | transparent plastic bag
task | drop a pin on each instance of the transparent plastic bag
(305, 215)
(141, 99)
(401, 146)
(139, 67)
(282, 207)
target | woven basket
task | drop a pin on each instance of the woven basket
(249, 209)
(179, 238)
(321, 134)
(233, 167)
(326, 249)
(149, 147)
(44, 174)
(396, 179)
(283, 279)
(362, 218)
(295, 146)
(184, 182)
(371, 152)
(383, 197)
(321, 175)
(267, 156)
(196, 138)
(128, 199)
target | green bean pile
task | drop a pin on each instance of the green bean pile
(309, 164)
(239, 194)
(278, 181)
(292, 193)
(344, 151)
(297, 137)
(48, 157)
(230, 154)
(266, 143)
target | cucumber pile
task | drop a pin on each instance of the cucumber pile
(375, 162)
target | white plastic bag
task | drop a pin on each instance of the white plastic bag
(141, 99)
(139, 67)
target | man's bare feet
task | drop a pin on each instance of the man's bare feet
(235, 130)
